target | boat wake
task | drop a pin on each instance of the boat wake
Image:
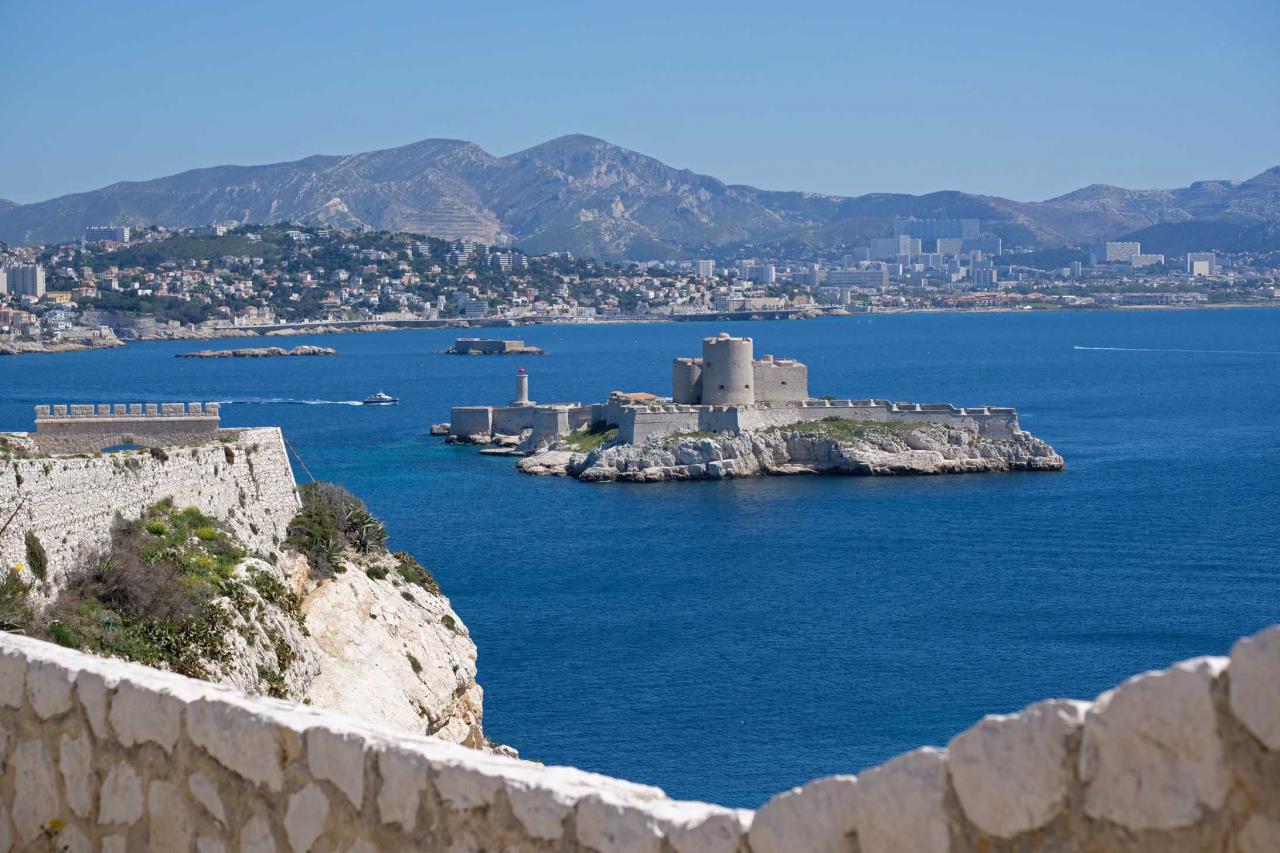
(1194, 351)
(287, 401)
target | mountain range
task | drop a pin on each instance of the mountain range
(585, 195)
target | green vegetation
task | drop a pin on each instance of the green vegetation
(674, 438)
(15, 613)
(151, 597)
(332, 518)
(449, 622)
(414, 663)
(37, 559)
(839, 428)
(414, 572)
(593, 437)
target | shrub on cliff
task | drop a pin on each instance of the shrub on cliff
(151, 597)
(330, 519)
(15, 614)
(37, 559)
(414, 572)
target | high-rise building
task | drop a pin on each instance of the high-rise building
(706, 269)
(890, 248)
(934, 229)
(26, 280)
(118, 233)
(1202, 263)
(4, 281)
(987, 245)
(877, 278)
(1112, 253)
(1141, 260)
(763, 273)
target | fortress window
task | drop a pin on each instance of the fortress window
(721, 387)
(748, 387)
(784, 382)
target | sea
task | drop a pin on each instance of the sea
(728, 640)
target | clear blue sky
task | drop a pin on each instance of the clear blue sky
(1022, 99)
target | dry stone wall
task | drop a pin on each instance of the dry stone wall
(71, 502)
(99, 754)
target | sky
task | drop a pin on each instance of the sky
(1020, 99)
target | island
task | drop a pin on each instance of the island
(491, 346)
(731, 415)
(258, 352)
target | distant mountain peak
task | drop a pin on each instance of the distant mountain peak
(587, 195)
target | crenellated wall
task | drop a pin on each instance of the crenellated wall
(100, 754)
(62, 429)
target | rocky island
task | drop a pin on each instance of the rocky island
(259, 352)
(730, 415)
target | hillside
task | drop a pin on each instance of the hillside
(597, 199)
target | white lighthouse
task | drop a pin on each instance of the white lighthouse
(522, 389)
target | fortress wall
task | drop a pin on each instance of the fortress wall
(510, 420)
(471, 420)
(781, 381)
(103, 754)
(71, 503)
(686, 381)
(637, 424)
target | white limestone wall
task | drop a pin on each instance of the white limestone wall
(99, 754)
(71, 503)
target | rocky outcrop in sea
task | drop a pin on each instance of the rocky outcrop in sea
(259, 352)
(871, 449)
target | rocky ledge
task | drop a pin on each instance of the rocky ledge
(258, 352)
(826, 447)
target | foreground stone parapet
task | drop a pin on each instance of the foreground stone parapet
(100, 754)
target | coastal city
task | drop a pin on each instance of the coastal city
(120, 283)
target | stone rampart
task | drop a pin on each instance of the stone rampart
(71, 503)
(637, 423)
(101, 754)
(62, 429)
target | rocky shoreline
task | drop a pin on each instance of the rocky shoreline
(258, 352)
(849, 448)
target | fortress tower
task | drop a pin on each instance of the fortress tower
(728, 378)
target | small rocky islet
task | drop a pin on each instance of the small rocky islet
(259, 352)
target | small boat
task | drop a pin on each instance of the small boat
(380, 399)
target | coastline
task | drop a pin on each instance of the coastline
(37, 347)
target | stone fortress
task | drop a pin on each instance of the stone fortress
(726, 390)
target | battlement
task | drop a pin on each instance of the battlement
(128, 410)
(88, 428)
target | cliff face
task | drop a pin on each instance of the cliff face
(850, 447)
(371, 639)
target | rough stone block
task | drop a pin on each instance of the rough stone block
(151, 409)
(1011, 773)
(94, 692)
(404, 775)
(605, 824)
(304, 819)
(49, 689)
(13, 678)
(135, 408)
(338, 757)
(75, 760)
(169, 819)
(205, 790)
(35, 798)
(1151, 758)
(255, 836)
(899, 804)
(1254, 680)
(819, 817)
(120, 798)
(238, 737)
(140, 713)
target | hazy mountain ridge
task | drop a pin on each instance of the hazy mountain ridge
(594, 198)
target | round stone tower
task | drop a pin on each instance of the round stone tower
(686, 381)
(727, 374)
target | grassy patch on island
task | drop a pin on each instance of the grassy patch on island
(840, 428)
(593, 437)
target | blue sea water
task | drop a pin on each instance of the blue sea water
(726, 640)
